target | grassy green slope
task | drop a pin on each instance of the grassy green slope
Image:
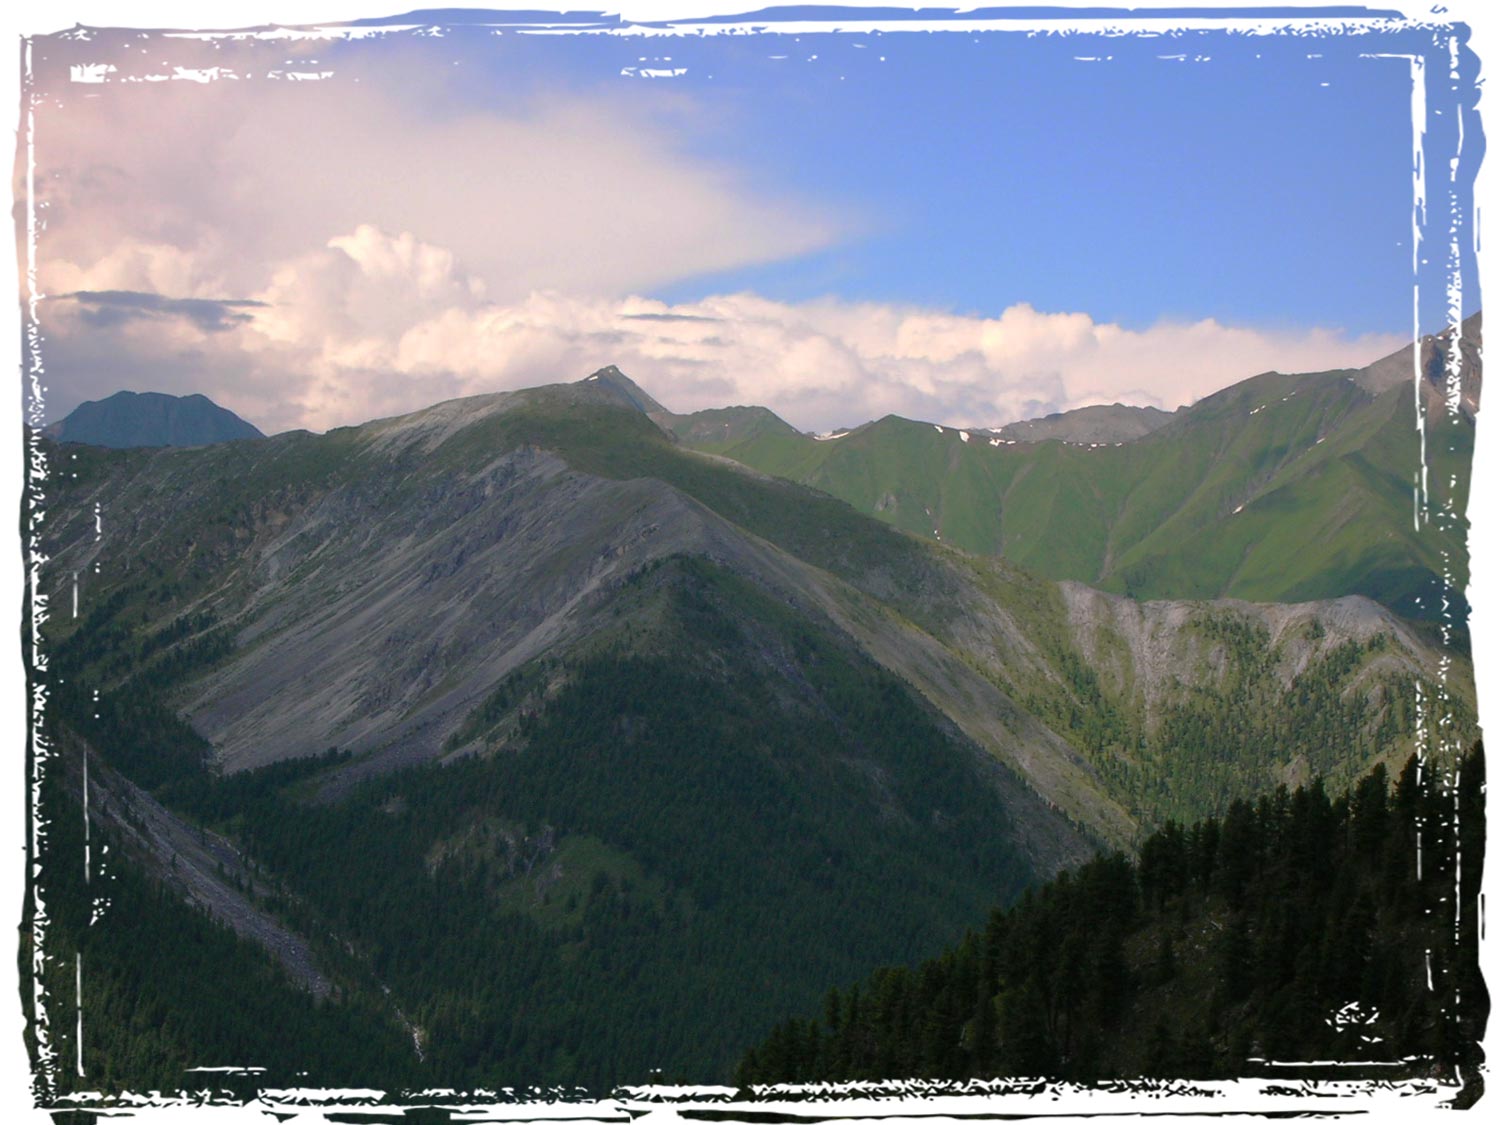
(1218, 456)
(1322, 512)
(1279, 488)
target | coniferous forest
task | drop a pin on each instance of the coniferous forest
(1304, 926)
(1013, 639)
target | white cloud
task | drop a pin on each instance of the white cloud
(376, 323)
(201, 189)
(405, 248)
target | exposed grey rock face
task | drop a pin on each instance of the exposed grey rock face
(126, 420)
(1153, 651)
(379, 628)
(198, 865)
(1440, 386)
(617, 387)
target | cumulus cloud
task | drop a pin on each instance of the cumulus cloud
(375, 323)
(319, 253)
(199, 189)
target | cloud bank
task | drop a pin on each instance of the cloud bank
(204, 189)
(319, 253)
(375, 323)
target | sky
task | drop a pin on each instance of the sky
(965, 226)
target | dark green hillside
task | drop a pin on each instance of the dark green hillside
(1235, 736)
(683, 828)
(1294, 928)
(166, 989)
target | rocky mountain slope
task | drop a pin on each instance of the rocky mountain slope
(372, 585)
(517, 690)
(1445, 375)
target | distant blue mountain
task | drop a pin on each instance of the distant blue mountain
(128, 419)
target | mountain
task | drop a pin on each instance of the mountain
(1280, 488)
(578, 751)
(1088, 425)
(498, 529)
(126, 419)
(1428, 362)
(613, 385)
(724, 427)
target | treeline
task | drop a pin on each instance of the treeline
(110, 679)
(1297, 928)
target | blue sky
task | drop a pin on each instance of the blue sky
(1258, 179)
(1136, 188)
(965, 226)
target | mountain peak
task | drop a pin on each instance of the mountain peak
(619, 388)
(150, 418)
(1397, 369)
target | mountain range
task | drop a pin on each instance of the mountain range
(558, 730)
(1281, 488)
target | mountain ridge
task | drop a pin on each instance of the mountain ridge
(1276, 488)
(1088, 425)
(529, 538)
(596, 752)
